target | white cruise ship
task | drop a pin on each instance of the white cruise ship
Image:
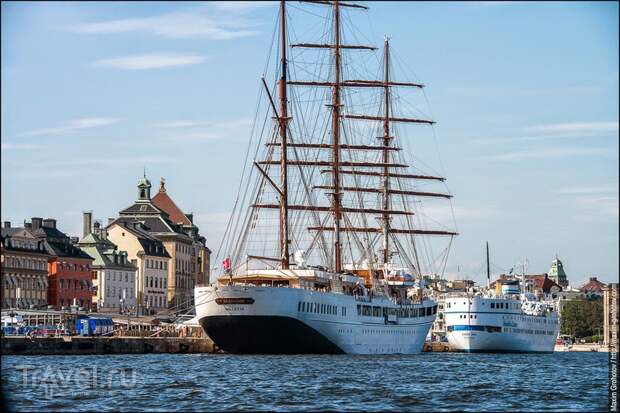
(509, 322)
(329, 180)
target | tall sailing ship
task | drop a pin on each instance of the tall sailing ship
(327, 246)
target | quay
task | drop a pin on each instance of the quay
(76, 345)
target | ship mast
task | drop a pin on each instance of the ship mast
(336, 201)
(488, 268)
(335, 165)
(386, 155)
(283, 123)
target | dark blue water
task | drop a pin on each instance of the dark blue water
(429, 381)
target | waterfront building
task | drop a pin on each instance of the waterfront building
(178, 242)
(151, 259)
(200, 254)
(593, 288)
(69, 268)
(114, 277)
(556, 272)
(24, 266)
(610, 314)
(571, 293)
(541, 284)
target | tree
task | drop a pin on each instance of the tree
(582, 318)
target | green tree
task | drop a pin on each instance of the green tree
(582, 318)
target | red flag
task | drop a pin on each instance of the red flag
(226, 263)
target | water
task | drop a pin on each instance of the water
(429, 381)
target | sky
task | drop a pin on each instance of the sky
(525, 96)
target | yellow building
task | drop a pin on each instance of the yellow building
(23, 269)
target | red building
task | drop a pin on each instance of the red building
(593, 287)
(69, 268)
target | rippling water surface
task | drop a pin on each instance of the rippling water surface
(429, 381)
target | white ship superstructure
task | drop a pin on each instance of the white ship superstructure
(504, 323)
(333, 180)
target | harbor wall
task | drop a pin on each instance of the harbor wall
(104, 345)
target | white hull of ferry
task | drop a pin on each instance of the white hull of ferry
(283, 320)
(473, 326)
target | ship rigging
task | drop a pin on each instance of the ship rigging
(313, 150)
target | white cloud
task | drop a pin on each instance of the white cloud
(176, 25)
(591, 202)
(577, 128)
(463, 211)
(177, 124)
(493, 3)
(591, 207)
(44, 165)
(589, 189)
(243, 6)
(568, 130)
(551, 153)
(90, 166)
(211, 131)
(151, 61)
(75, 125)
(17, 146)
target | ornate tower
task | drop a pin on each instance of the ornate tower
(144, 189)
(556, 272)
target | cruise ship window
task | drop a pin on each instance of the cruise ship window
(492, 305)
